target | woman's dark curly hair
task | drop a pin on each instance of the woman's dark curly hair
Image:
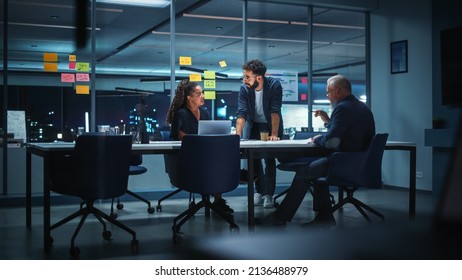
(184, 89)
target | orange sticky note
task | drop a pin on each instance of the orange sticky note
(72, 57)
(50, 67)
(67, 77)
(50, 57)
(209, 94)
(82, 89)
(195, 77)
(185, 60)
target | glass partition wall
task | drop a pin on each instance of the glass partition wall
(50, 76)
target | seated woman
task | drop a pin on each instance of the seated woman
(183, 115)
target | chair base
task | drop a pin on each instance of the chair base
(159, 207)
(120, 206)
(359, 205)
(84, 212)
(192, 210)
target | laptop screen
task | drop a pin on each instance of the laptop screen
(214, 127)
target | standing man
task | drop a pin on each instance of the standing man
(259, 106)
(350, 128)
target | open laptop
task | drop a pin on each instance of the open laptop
(214, 127)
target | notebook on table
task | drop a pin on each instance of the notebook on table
(207, 127)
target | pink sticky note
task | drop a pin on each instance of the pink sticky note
(67, 77)
(82, 77)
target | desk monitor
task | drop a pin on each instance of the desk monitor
(214, 127)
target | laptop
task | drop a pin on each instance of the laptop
(207, 127)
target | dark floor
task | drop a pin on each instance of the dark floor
(352, 238)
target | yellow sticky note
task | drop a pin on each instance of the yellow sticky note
(50, 57)
(50, 67)
(210, 75)
(82, 67)
(223, 63)
(209, 94)
(209, 84)
(82, 89)
(195, 77)
(72, 57)
(185, 60)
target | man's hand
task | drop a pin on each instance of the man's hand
(273, 138)
(322, 114)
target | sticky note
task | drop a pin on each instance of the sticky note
(82, 77)
(82, 66)
(210, 75)
(52, 57)
(72, 65)
(303, 96)
(223, 63)
(72, 57)
(185, 60)
(195, 77)
(82, 89)
(67, 77)
(304, 80)
(209, 84)
(209, 94)
(50, 67)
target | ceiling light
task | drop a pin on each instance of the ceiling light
(143, 3)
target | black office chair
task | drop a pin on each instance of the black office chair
(97, 169)
(350, 171)
(293, 164)
(135, 169)
(208, 164)
(170, 161)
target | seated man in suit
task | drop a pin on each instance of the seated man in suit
(350, 128)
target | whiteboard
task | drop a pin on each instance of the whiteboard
(17, 124)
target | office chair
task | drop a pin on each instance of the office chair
(350, 171)
(208, 164)
(135, 169)
(96, 169)
(170, 166)
(292, 165)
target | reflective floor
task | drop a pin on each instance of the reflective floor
(210, 238)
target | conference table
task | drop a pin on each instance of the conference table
(251, 150)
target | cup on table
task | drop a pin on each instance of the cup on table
(264, 135)
(292, 131)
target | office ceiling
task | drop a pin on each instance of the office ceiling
(135, 41)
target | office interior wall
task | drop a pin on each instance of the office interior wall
(402, 103)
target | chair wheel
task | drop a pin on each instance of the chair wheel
(113, 215)
(234, 228)
(151, 210)
(107, 235)
(135, 245)
(159, 208)
(74, 252)
(176, 238)
(120, 206)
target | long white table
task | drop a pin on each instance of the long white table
(250, 150)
